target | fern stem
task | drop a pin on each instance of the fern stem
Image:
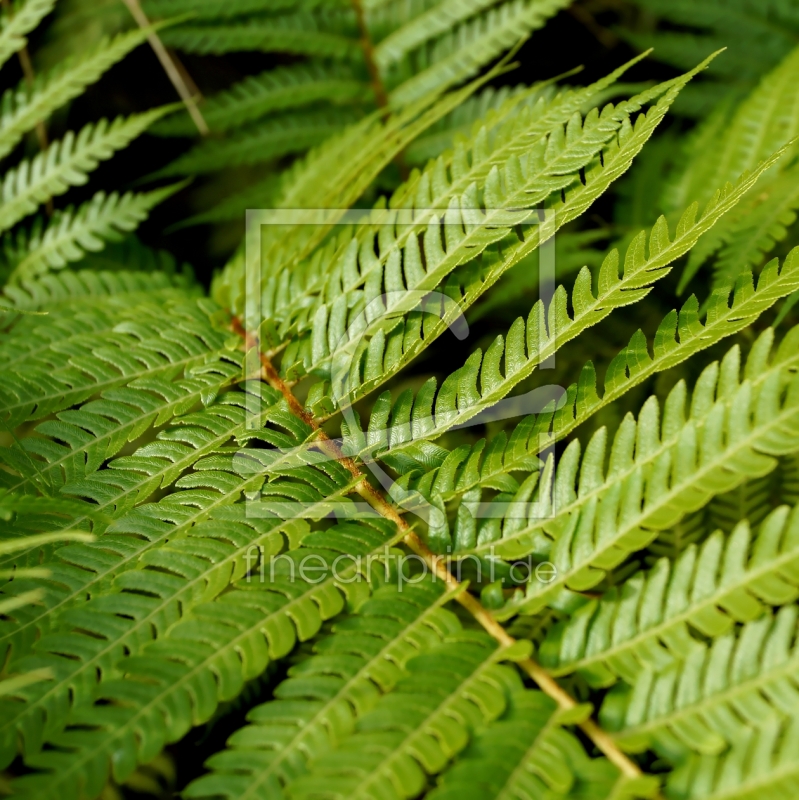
(170, 65)
(381, 96)
(603, 741)
(369, 56)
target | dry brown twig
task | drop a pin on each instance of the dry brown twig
(171, 67)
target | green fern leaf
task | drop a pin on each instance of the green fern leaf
(460, 122)
(72, 304)
(134, 350)
(479, 383)
(329, 35)
(321, 702)
(763, 33)
(708, 589)
(274, 90)
(426, 26)
(440, 475)
(759, 765)
(70, 234)
(710, 453)
(25, 106)
(212, 652)
(705, 702)
(461, 53)
(521, 119)
(293, 132)
(18, 22)
(223, 9)
(469, 232)
(198, 536)
(410, 732)
(527, 754)
(79, 441)
(66, 163)
(350, 162)
(755, 236)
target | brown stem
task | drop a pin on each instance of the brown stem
(381, 96)
(369, 55)
(170, 65)
(604, 36)
(603, 741)
(30, 76)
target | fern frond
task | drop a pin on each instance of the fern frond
(756, 235)
(130, 264)
(66, 163)
(527, 754)
(293, 132)
(17, 22)
(461, 122)
(410, 734)
(25, 106)
(223, 9)
(134, 256)
(679, 336)
(13, 680)
(750, 501)
(735, 430)
(197, 441)
(321, 702)
(708, 700)
(763, 33)
(469, 231)
(274, 90)
(761, 765)
(648, 623)
(199, 568)
(196, 534)
(130, 481)
(529, 344)
(205, 659)
(518, 123)
(438, 19)
(764, 122)
(78, 441)
(139, 349)
(328, 35)
(461, 53)
(24, 518)
(349, 163)
(73, 303)
(70, 234)
(440, 475)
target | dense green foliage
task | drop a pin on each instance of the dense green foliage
(474, 473)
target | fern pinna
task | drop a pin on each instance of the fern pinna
(559, 559)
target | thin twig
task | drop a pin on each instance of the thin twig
(30, 77)
(603, 741)
(369, 56)
(170, 65)
(604, 36)
(378, 87)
